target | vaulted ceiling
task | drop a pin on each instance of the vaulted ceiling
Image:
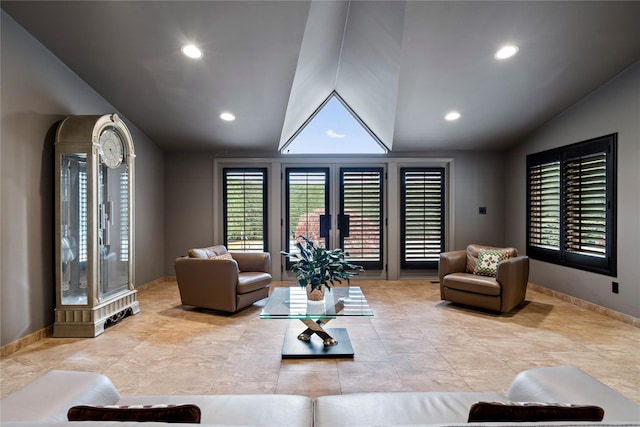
(401, 66)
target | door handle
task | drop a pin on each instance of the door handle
(343, 225)
(325, 225)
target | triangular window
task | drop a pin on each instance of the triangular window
(334, 129)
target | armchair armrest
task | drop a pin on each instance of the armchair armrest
(451, 262)
(208, 283)
(513, 276)
(253, 261)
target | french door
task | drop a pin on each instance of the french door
(360, 218)
(336, 206)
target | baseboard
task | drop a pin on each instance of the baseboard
(625, 318)
(155, 282)
(25, 341)
(47, 332)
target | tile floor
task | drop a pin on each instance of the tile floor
(415, 341)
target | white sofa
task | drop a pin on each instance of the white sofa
(45, 402)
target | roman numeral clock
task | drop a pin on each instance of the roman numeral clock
(94, 217)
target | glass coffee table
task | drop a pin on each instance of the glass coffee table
(316, 341)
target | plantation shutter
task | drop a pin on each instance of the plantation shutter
(245, 215)
(422, 227)
(361, 201)
(586, 205)
(544, 205)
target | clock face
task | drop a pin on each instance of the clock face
(112, 148)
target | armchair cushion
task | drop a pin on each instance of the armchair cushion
(466, 282)
(252, 281)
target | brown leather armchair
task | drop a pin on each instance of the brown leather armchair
(502, 292)
(218, 280)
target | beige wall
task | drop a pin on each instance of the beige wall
(615, 107)
(189, 205)
(37, 92)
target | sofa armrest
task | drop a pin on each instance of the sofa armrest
(568, 384)
(49, 397)
(253, 261)
(207, 283)
(513, 276)
(451, 262)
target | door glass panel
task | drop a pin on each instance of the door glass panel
(307, 200)
(360, 220)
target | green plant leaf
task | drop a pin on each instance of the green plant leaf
(318, 266)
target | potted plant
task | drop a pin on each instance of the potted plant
(317, 268)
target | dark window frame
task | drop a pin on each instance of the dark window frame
(265, 198)
(605, 146)
(404, 262)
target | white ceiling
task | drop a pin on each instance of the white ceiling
(400, 66)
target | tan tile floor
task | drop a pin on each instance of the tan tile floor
(414, 342)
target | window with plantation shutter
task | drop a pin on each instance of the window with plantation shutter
(245, 209)
(360, 220)
(571, 205)
(422, 222)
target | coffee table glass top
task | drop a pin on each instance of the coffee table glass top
(292, 303)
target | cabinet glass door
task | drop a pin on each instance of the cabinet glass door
(113, 230)
(73, 229)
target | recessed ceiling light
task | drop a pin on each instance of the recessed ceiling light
(453, 115)
(506, 52)
(227, 117)
(191, 51)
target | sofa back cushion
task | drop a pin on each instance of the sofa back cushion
(472, 255)
(207, 253)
